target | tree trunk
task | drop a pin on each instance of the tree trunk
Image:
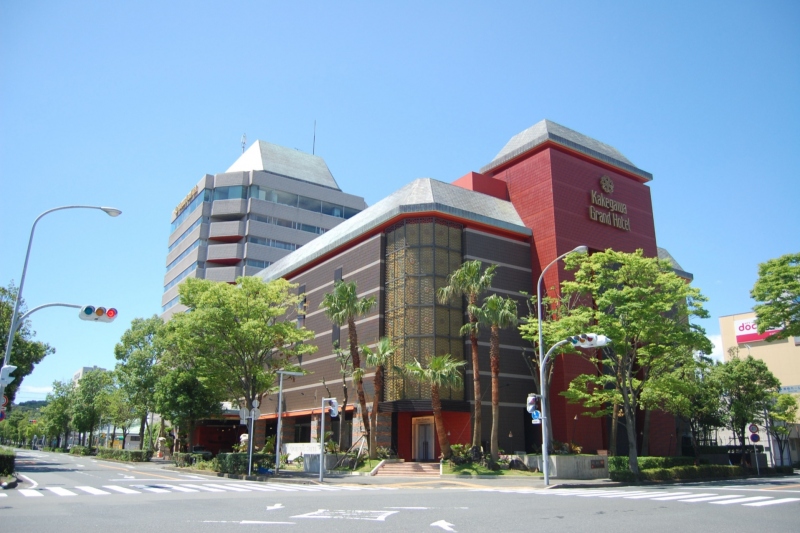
(362, 399)
(343, 413)
(142, 424)
(476, 389)
(494, 363)
(646, 434)
(633, 457)
(376, 397)
(441, 432)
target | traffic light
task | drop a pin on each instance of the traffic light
(97, 314)
(5, 377)
(334, 408)
(532, 400)
(588, 340)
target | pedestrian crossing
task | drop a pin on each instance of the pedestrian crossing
(657, 495)
(182, 488)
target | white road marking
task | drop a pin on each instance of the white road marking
(33, 483)
(92, 490)
(273, 507)
(712, 498)
(772, 502)
(227, 487)
(178, 488)
(743, 500)
(447, 526)
(30, 493)
(377, 516)
(123, 490)
(626, 494)
(203, 487)
(657, 494)
(674, 497)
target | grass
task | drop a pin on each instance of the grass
(478, 470)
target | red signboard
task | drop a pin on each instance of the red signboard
(747, 331)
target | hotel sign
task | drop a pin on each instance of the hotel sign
(607, 211)
(747, 331)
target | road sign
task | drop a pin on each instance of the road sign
(754, 437)
(5, 400)
(753, 428)
(255, 413)
(536, 415)
(536, 421)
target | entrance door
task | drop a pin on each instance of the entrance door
(423, 438)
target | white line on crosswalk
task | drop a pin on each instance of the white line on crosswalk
(60, 491)
(178, 488)
(674, 497)
(151, 489)
(716, 497)
(625, 494)
(657, 494)
(123, 490)
(93, 490)
(772, 502)
(227, 487)
(30, 493)
(743, 500)
(203, 487)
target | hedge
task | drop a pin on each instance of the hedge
(7, 458)
(236, 463)
(81, 450)
(695, 472)
(620, 462)
(131, 456)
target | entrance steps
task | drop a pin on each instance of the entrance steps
(403, 469)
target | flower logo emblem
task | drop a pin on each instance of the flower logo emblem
(606, 184)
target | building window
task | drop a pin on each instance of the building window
(420, 254)
(186, 252)
(186, 233)
(237, 192)
(180, 277)
(203, 196)
(303, 202)
(256, 263)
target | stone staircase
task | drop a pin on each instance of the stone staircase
(403, 469)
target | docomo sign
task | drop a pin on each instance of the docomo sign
(747, 331)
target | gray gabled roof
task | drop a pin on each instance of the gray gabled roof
(676, 267)
(286, 162)
(422, 195)
(547, 130)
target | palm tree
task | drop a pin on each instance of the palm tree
(342, 306)
(470, 282)
(383, 352)
(497, 313)
(442, 371)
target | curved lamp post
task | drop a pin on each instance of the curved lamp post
(542, 362)
(13, 323)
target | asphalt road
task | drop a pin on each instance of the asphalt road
(63, 494)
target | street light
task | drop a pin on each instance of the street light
(542, 385)
(281, 373)
(110, 211)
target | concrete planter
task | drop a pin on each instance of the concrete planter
(311, 462)
(571, 466)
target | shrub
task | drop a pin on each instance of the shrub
(7, 458)
(131, 456)
(80, 450)
(236, 463)
(182, 459)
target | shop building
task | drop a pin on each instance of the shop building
(547, 191)
(740, 337)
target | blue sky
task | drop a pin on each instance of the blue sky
(130, 104)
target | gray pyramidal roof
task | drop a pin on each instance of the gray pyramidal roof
(664, 254)
(286, 162)
(547, 130)
(419, 196)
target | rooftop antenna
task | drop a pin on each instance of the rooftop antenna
(244, 141)
(314, 144)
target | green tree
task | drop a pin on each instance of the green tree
(90, 401)
(138, 353)
(644, 308)
(122, 413)
(691, 393)
(470, 281)
(781, 417)
(25, 352)
(183, 398)
(747, 386)
(57, 413)
(342, 306)
(778, 292)
(237, 334)
(497, 313)
(441, 371)
(377, 359)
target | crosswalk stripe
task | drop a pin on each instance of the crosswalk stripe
(227, 487)
(772, 502)
(178, 488)
(151, 489)
(259, 488)
(712, 498)
(123, 490)
(743, 500)
(3, 495)
(93, 490)
(657, 494)
(203, 487)
(625, 494)
(675, 497)
(30, 493)
(60, 491)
